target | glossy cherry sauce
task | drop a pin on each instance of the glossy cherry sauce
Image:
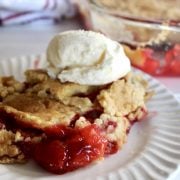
(70, 149)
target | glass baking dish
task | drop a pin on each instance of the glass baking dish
(148, 30)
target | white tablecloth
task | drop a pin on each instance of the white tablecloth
(33, 39)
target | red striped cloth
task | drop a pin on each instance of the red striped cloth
(28, 11)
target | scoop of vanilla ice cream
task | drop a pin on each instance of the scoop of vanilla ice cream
(86, 57)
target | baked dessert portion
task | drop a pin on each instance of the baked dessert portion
(77, 123)
(76, 111)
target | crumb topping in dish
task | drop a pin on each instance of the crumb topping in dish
(158, 10)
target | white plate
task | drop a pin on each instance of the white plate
(151, 152)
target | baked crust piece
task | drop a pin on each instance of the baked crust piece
(37, 112)
(123, 96)
(8, 85)
(9, 151)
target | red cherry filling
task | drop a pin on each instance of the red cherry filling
(51, 155)
(82, 146)
(162, 59)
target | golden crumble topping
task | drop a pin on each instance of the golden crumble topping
(67, 93)
(42, 102)
(59, 91)
(122, 97)
(8, 85)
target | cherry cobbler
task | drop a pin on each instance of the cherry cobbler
(65, 126)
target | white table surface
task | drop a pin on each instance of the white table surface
(33, 39)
